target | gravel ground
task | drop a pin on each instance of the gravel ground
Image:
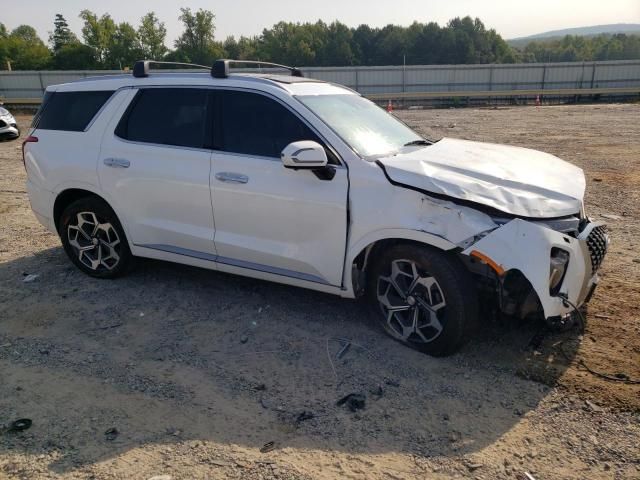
(176, 372)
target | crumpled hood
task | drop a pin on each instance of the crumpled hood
(514, 180)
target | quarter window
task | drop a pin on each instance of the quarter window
(167, 116)
(69, 111)
(253, 124)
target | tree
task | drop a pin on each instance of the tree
(197, 43)
(152, 34)
(123, 48)
(24, 50)
(61, 34)
(74, 56)
(97, 33)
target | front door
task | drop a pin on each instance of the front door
(270, 218)
(155, 164)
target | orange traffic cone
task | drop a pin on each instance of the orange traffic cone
(389, 107)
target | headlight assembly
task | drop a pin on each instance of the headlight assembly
(557, 269)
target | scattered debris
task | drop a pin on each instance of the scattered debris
(391, 382)
(268, 447)
(474, 466)
(111, 434)
(304, 415)
(590, 406)
(377, 392)
(32, 277)
(355, 401)
(108, 327)
(343, 350)
(20, 425)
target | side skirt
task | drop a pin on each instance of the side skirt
(236, 267)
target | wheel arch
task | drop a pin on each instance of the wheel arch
(363, 252)
(67, 196)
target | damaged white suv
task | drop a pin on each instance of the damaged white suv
(307, 183)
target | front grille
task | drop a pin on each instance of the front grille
(3, 124)
(597, 243)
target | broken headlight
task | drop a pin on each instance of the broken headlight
(558, 268)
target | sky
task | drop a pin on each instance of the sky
(511, 18)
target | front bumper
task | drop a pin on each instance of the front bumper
(8, 128)
(526, 246)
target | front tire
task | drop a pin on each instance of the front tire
(423, 298)
(93, 238)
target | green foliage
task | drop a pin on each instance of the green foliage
(152, 34)
(61, 35)
(23, 49)
(197, 44)
(110, 45)
(572, 48)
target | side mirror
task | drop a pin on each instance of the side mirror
(304, 154)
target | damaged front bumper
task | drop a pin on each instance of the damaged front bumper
(527, 247)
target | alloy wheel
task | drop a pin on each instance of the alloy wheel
(412, 303)
(96, 243)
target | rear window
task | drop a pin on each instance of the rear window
(69, 111)
(167, 116)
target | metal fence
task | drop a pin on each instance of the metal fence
(436, 80)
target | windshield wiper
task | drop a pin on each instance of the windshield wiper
(417, 142)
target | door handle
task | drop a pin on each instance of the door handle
(116, 162)
(230, 177)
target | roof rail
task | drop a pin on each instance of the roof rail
(141, 67)
(220, 68)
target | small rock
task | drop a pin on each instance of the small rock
(111, 434)
(244, 339)
(391, 382)
(611, 216)
(32, 277)
(474, 466)
(597, 179)
(160, 477)
(260, 387)
(590, 406)
(304, 415)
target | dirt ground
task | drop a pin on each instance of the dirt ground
(197, 370)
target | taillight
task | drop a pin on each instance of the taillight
(29, 139)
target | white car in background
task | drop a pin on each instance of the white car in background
(8, 126)
(307, 183)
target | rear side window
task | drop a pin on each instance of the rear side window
(167, 116)
(256, 125)
(69, 111)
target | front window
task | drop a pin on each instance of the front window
(367, 128)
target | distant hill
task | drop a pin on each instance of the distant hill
(628, 28)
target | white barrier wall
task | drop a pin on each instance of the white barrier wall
(395, 79)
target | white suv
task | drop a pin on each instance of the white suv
(307, 183)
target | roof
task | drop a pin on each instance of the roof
(260, 81)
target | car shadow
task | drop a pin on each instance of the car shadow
(172, 353)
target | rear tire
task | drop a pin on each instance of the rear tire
(423, 298)
(93, 238)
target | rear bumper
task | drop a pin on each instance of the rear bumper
(41, 201)
(526, 246)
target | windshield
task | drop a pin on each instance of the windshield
(367, 128)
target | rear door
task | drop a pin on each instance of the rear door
(270, 218)
(155, 164)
